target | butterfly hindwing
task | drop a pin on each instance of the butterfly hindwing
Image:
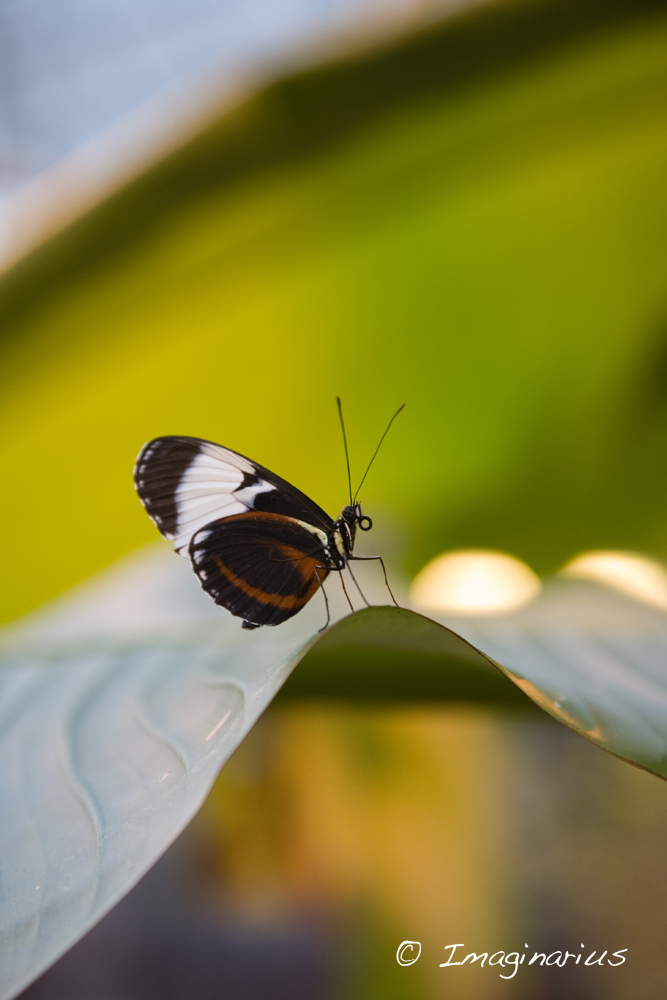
(186, 483)
(262, 567)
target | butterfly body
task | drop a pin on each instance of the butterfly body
(260, 547)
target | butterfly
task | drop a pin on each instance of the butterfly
(259, 546)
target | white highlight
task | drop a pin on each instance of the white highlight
(632, 574)
(218, 726)
(247, 496)
(474, 582)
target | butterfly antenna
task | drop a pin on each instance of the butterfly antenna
(347, 457)
(376, 451)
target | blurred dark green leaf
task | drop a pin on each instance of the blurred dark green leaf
(384, 653)
(592, 658)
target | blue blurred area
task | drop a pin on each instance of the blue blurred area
(156, 945)
(70, 70)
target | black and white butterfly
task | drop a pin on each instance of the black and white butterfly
(260, 547)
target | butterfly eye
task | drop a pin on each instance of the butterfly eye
(367, 525)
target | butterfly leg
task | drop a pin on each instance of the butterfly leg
(342, 583)
(381, 561)
(326, 603)
(354, 579)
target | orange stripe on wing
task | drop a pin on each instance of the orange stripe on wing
(286, 601)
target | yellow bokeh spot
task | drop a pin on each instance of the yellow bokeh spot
(474, 582)
(640, 577)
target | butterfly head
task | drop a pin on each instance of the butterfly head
(344, 531)
(352, 516)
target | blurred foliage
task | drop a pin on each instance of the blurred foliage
(440, 824)
(473, 222)
(355, 829)
(368, 822)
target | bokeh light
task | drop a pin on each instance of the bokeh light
(632, 574)
(474, 582)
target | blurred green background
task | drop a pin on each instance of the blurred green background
(474, 223)
(472, 220)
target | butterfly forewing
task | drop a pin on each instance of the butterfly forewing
(186, 483)
(262, 567)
